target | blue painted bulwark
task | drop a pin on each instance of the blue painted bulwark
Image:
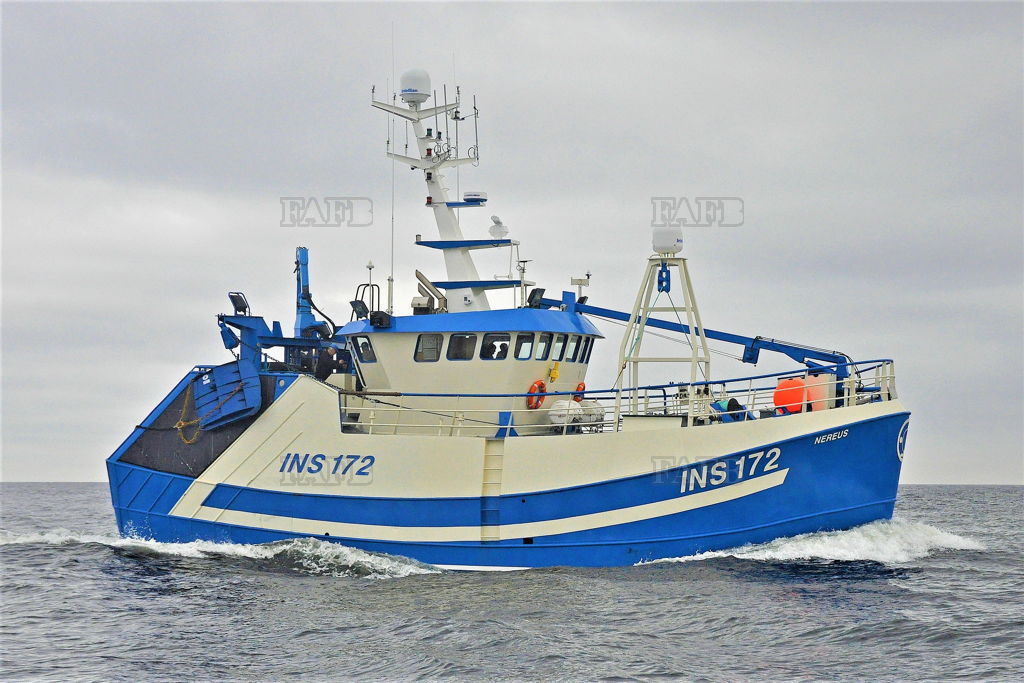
(141, 495)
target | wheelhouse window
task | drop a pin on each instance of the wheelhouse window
(585, 349)
(364, 349)
(585, 357)
(524, 345)
(559, 347)
(461, 346)
(573, 349)
(543, 346)
(428, 348)
(584, 346)
(495, 346)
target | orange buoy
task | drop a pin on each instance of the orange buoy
(533, 402)
(581, 387)
(817, 391)
(789, 395)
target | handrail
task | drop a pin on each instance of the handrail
(709, 383)
(697, 403)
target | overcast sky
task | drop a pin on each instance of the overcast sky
(877, 148)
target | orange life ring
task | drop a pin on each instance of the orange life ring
(581, 387)
(538, 387)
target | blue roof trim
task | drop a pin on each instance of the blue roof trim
(479, 284)
(462, 244)
(506, 320)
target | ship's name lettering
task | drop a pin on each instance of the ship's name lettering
(359, 465)
(825, 438)
(700, 477)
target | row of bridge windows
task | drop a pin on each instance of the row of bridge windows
(499, 345)
(494, 346)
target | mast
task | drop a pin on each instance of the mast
(657, 295)
(465, 290)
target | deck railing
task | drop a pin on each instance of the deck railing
(571, 412)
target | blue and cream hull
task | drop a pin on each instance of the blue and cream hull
(653, 490)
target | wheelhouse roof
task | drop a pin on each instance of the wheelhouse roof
(505, 320)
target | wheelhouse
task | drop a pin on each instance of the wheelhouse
(483, 352)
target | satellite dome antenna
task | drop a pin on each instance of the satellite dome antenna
(415, 87)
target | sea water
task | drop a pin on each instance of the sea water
(935, 594)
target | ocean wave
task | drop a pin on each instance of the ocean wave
(890, 542)
(307, 555)
(886, 542)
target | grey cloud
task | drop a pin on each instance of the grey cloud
(877, 148)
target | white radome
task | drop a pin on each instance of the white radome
(415, 86)
(667, 240)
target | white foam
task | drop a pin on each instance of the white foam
(320, 557)
(887, 542)
(309, 554)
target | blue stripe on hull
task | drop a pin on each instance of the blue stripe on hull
(351, 509)
(831, 485)
(177, 529)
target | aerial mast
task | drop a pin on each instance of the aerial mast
(465, 290)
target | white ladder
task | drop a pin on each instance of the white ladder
(490, 521)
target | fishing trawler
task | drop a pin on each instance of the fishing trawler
(466, 436)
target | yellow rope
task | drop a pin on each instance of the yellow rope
(182, 422)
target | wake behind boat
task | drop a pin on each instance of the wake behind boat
(466, 437)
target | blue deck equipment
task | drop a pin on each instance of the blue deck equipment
(226, 393)
(752, 346)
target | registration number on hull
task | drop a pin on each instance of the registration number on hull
(700, 477)
(304, 463)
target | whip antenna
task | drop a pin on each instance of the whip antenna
(391, 126)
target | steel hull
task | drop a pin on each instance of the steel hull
(825, 479)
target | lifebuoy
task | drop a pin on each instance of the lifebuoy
(533, 402)
(581, 387)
